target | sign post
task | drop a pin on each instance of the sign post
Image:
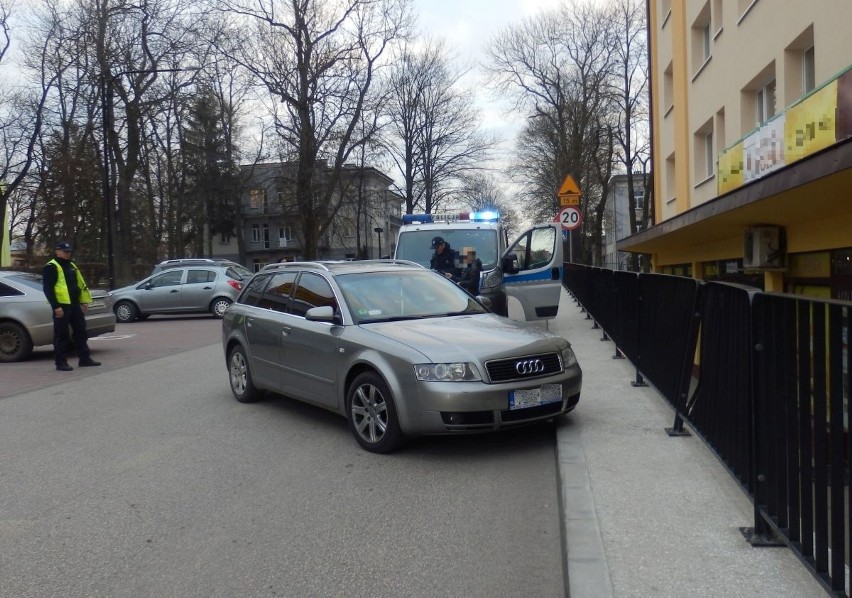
(569, 214)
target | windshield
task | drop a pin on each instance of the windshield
(403, 295)
(416, 245)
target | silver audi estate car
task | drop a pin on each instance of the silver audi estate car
(397, 349)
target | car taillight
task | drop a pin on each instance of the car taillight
(236, 284)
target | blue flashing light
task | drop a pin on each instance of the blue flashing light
(485, 216)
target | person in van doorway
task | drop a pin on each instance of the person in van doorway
(473, 269)
(69, 298)
(443, 260)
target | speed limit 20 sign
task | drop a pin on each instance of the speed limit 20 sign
(570, 217)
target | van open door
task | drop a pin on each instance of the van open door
(532, 271)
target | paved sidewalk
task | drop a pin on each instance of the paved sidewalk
(645, 514)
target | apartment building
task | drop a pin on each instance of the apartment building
(365, 226)
(751, 127)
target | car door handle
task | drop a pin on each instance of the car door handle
(174, 291)
(207, 288)
(285, 330)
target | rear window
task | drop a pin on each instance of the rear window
(238, 272)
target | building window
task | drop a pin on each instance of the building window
(705, 156)
(225, 238)
(668, 89)
(720, 129)
(260, 235)
(744, 7)
(717, 17)
(257, 200)
(701, 38)
(670, 192)
(808, 70)
(765, 101)
(285, 235)
(709, 155)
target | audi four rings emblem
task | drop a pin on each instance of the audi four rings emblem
(530, 366)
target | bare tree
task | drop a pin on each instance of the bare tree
(557, 67)
(134, 44)
(481, 192)
(630, 91)
(21, 118)
(319, 60)
(433, 137)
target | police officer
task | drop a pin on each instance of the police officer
(443, 260)
(69, 297)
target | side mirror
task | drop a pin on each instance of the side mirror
(484, 301)
(148, 286)
(323, 313)
(509, 263)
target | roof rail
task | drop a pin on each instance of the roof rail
(278, 265)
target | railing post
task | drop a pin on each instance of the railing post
(762, 534)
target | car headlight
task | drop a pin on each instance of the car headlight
(446, 372)
(568, 357)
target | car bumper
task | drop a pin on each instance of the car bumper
(448, 407)
(98, 324)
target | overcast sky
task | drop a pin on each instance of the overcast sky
(467, 25)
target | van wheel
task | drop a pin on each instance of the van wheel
(372, 416)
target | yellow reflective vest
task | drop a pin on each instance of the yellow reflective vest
(61, 288)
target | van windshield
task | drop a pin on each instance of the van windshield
(416, 245)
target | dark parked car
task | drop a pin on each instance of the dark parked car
(397, 349)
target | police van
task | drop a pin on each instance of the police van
(529, 268)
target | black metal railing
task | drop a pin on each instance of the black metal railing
(767, 389)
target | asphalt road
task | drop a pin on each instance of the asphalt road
(146, 478)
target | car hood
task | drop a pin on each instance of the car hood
(124, 290)
(469, 338)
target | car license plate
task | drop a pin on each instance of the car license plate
(531, 397)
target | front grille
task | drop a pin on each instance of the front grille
(506, 370)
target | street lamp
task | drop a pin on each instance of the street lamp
(106, 107)
(379, 230)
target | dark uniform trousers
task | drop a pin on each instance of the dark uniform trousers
(72, 315)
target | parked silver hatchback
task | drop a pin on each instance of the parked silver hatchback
(395, 348)
(196, 289)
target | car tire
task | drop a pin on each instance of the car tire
(125, 312)
(372, 416)
(15, 342)
(239, 377)
(219, 305)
